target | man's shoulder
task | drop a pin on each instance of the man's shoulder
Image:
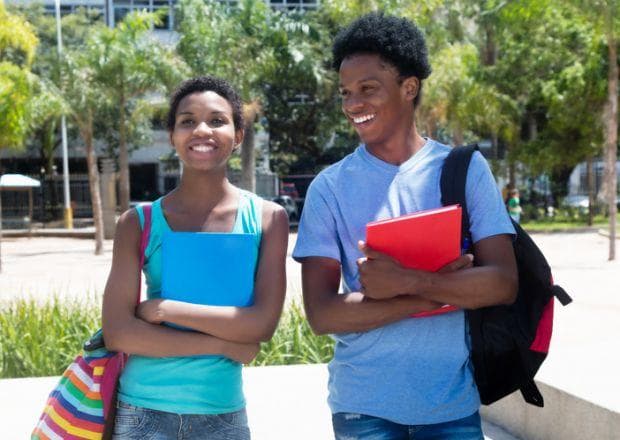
(334, 172)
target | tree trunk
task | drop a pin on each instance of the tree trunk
(611, 139)
(49, 141)
(490, 48)
(93, 183)
(248, 155)
(123, 158)
(512, 171)
(532, 127)
(457, 137)
(590, 179)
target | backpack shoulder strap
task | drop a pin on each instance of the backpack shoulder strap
(454, 178)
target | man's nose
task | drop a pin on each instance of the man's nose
(352, 103)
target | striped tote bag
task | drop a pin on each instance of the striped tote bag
(82, 404)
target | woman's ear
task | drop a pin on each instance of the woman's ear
(411, 86)
(238, 138)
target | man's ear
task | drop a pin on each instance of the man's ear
(411, 86)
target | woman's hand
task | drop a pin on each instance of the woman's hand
(240, 352)
(151, 311)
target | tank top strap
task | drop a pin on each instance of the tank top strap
(249, 215)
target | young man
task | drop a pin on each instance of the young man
(393, 376)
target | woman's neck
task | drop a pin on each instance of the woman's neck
(201, 191)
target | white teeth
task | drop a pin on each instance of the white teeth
(202, 148)
(363, 119)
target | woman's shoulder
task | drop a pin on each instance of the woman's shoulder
(128, 227)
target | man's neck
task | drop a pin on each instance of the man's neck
(398, 149)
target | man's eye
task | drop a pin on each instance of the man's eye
(344, 93)
(217, 122)
(368, 89)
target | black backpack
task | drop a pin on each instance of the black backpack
(508, 343)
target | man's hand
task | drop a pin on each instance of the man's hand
(463, 262)
(381, 276)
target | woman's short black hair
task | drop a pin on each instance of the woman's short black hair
(396, 40)
(206, 84)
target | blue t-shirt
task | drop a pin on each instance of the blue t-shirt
(417, 370)
(186, 384)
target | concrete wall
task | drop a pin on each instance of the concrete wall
(564, 417)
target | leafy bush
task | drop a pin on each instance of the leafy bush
(42, 339)
(295, 343)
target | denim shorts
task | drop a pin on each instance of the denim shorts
(132, 422)
(353, 426)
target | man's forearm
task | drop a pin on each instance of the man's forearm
(353, 312)
(468, 289)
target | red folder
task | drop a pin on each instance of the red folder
(424, 240)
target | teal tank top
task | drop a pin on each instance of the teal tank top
(191, 384)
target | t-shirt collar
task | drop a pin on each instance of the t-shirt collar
(362, 150)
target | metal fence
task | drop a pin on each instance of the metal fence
(48, 200)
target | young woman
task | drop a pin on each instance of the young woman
(169, 389)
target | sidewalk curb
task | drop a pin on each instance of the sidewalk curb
(564, 416)
(88, 233)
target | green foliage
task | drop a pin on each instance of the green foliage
(18, 43)
(42, 339)
(295, 343)
(458, 101)
(15, 93)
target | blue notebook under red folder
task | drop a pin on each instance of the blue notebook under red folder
(209, 268)
(424, 240)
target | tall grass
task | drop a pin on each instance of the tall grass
(42, 339)
(294, 342)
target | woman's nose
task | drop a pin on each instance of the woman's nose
(202, 127)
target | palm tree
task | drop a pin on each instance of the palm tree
(130, 63)
(457, 101)
(215, 40)
(83, 97)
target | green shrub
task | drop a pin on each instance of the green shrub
(295, 343)
(42, 339)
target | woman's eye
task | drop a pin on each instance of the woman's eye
(217, 122)
(187, 122)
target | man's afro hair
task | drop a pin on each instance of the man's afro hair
(394, 39)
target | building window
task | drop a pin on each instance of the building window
(95, 11)
(121, 9)
(289, 5)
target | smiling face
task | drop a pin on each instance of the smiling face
(376, 100)
(204, 133)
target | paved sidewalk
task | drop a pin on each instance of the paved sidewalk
(583, 364)
(284, 403)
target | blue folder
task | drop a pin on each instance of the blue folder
(209, 268)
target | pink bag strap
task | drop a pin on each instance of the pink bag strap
(144, 241)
